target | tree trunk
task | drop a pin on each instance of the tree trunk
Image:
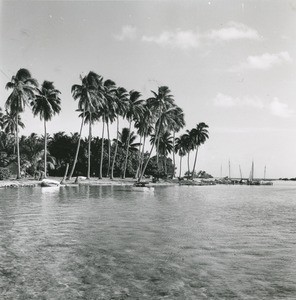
(115, 152)
(77, 149)
(18, 176)
(188, 175)
(180, 173)
(45, 150)
(174, 160)
(195, 159)
(102, 152)
(127, 150)
(89, 147)
(142, 156)
(139, 158)
(109, 150)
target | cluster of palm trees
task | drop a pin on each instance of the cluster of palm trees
(99, 100)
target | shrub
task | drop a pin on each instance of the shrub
(4, 173)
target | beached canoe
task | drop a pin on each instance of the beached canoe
(49, 183)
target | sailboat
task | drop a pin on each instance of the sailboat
(253, 181)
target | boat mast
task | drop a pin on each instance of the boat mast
(240, 171)
(229, 169)
(264, 172)
(221, 171)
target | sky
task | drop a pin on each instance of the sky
(230, 64)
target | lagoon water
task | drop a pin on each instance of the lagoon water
(212, 242)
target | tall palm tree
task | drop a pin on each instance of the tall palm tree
(144, 129)
(134, 112)
(109, 113)
(178, 123)
(198, 135)
(23, 91)
(46, 104)
(159, 103)
(87, 95)
(121, 99)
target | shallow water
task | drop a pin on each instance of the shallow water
(212, 242)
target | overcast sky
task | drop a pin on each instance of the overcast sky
(230, 64)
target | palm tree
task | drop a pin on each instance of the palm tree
(23, 87)
(198, 135)
(178, 123)
(87, 95)
(160, 103)
(109, 114)
(181, 147)
(46, 104)
(121, 99)
(145, 128)
(89, 118)
(134, 112)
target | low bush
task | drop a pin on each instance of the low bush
(4, 173)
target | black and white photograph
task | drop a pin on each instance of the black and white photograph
(147, 149)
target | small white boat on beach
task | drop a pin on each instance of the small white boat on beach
(49, 183)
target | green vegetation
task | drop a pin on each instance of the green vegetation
(157, 118)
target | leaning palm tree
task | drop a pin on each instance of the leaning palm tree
(46, 104)
(23, 87)
(135, 110)
(198, 135)
(121, 99)
(87, 96)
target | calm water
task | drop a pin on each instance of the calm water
(218, 242)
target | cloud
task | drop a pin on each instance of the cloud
(228, 101)
(280, 109)
(264, 61)
(275, 107)
(183, 39)
(233, 31)
(128, 32)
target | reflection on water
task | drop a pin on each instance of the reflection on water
(220, 242)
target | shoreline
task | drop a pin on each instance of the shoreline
(31, 182)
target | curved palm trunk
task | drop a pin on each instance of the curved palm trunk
(89, 146)
(180, 173)
(127, 150)
(45, 150)
(102, 152)
(195, 159)
(78, 146)
(18, 176)
(115, 152)
(165, 165)
(109, 150)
